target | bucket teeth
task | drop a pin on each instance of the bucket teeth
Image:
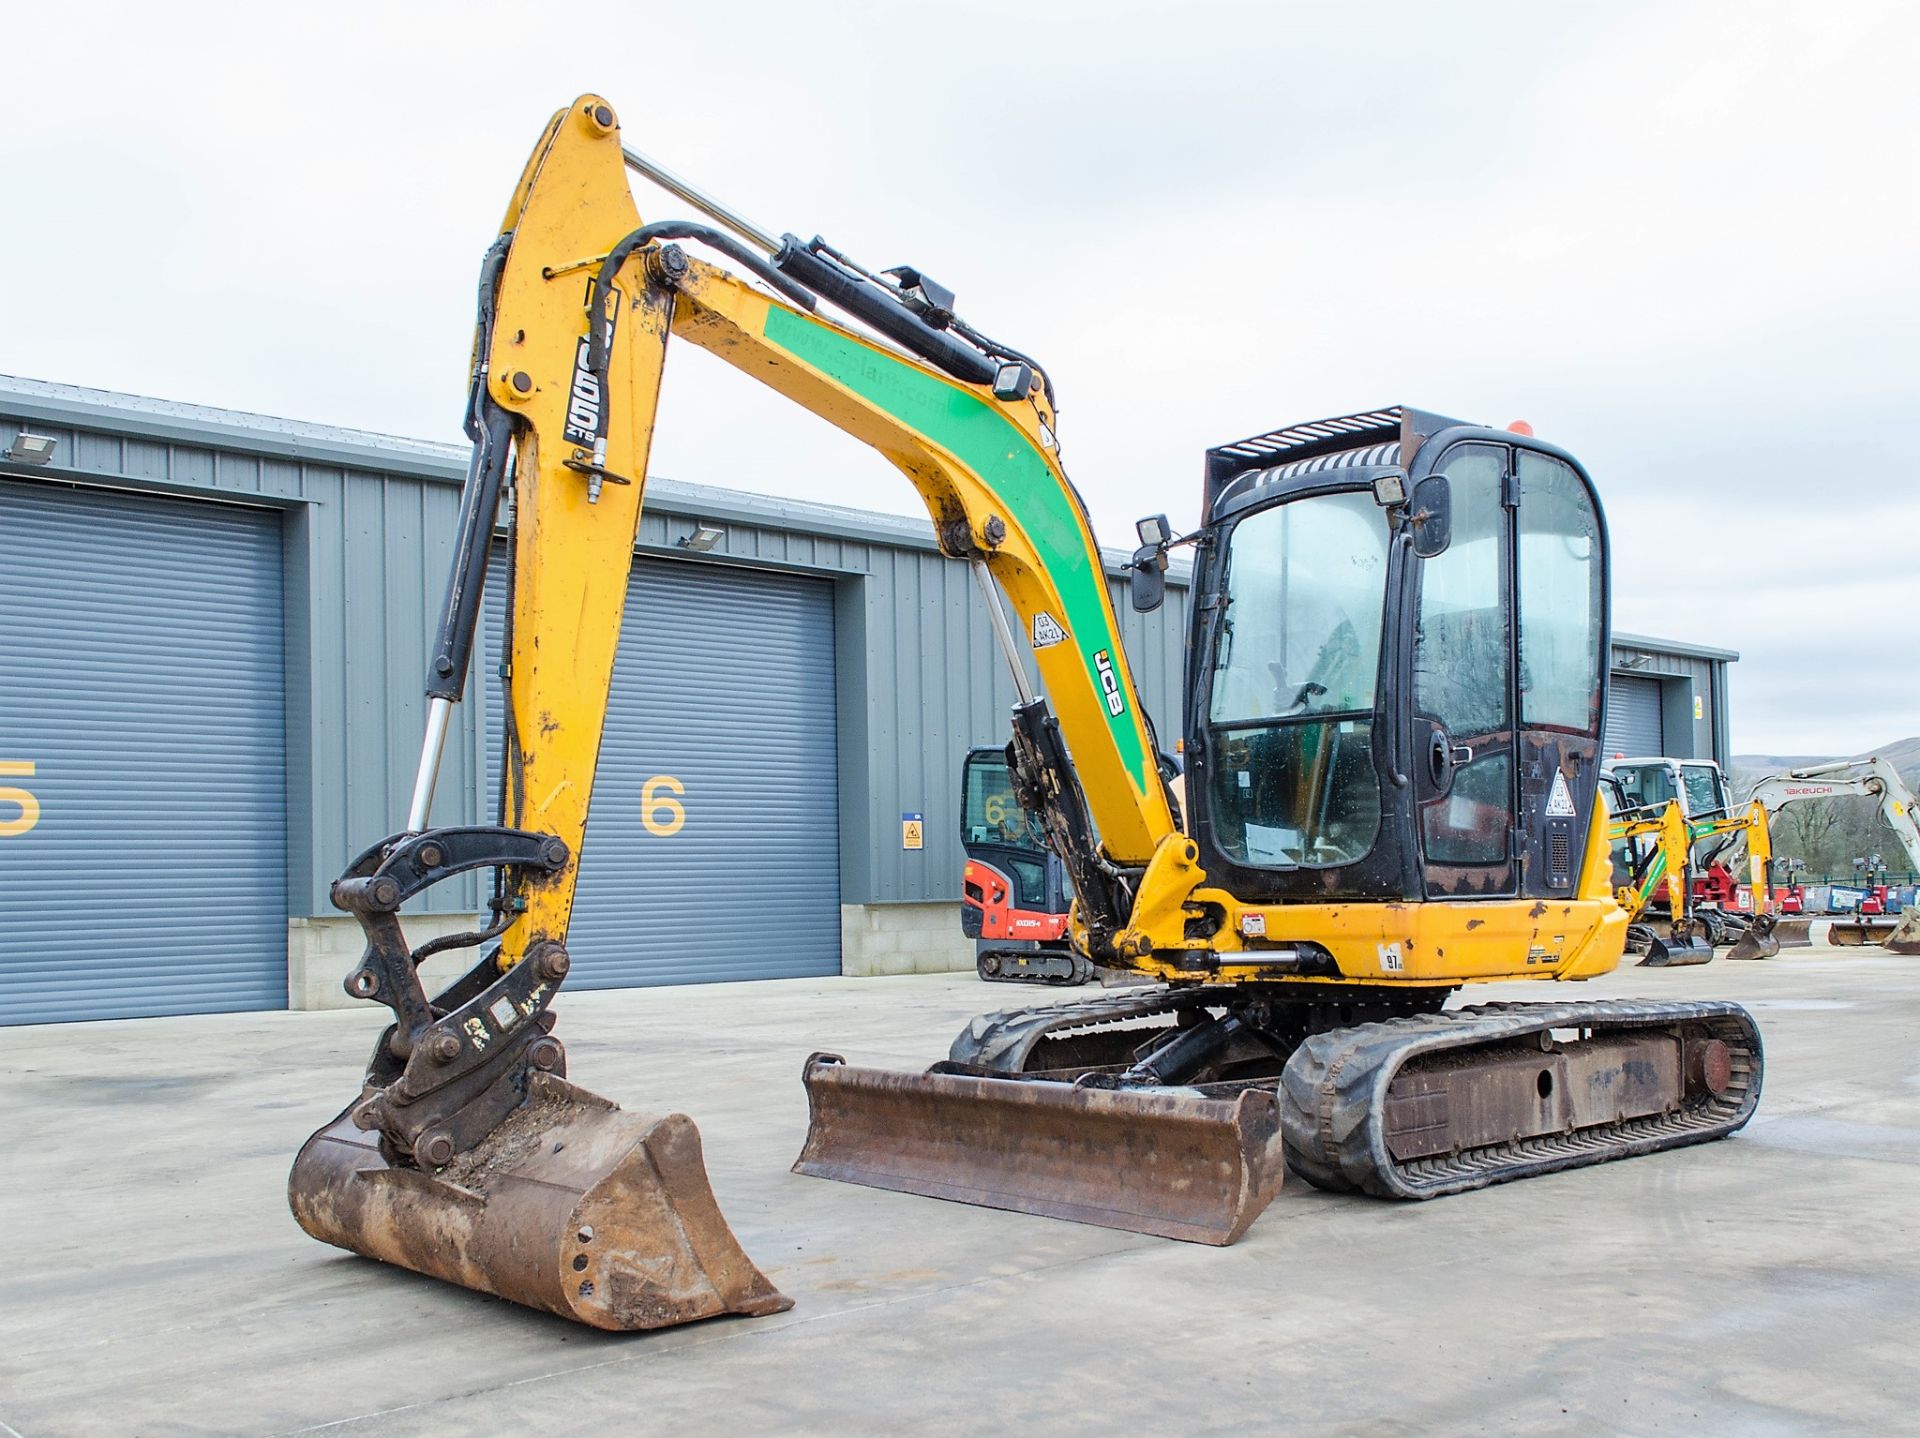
(571, 1205)
(1174, 1163)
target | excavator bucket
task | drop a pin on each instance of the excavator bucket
(1673, 951)
(1176, 1163)
(1759, 940)
(570, 1205)
(1905, 938)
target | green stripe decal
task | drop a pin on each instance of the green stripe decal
(996, 450)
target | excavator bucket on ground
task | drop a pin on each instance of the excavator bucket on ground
(1759, 939)
(1177, 1164)
(1905, 938)
(571, 1205)
(1896, 936)
(1673, 951)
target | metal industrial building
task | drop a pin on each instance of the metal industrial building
(213, 633)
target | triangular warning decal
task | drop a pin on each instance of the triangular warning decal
(1560, 801)
(1047, 631)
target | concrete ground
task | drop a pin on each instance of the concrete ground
(152, 1282)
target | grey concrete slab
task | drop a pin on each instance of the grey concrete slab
(152, 1282)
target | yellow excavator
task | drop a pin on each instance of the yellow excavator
(1397, 673)
(1653, 848)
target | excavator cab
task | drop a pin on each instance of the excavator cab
(1399, 663)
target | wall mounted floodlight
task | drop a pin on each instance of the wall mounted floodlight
(703, 538)
(32, 448)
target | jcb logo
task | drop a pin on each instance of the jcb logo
(1109, 684)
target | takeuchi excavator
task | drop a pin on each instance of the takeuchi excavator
(1398, 665)
(1869, 778)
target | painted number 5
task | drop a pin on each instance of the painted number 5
(20, 799)
(660, 807)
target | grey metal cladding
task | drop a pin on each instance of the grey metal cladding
(141, 655)
(369, 522)
(1633, 726)
(723, 686)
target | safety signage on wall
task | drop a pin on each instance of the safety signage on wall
(912, 831)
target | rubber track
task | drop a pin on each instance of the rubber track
(1333, 1096)
(1002, 1041)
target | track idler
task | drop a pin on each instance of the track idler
(469, 1157)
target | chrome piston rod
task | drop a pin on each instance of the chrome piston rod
(439, 712)
(732, 219)
(1002, 631)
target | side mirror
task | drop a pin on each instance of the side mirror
(1147, 578)
(1431, 514)
(1147, 571)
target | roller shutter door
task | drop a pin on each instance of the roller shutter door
(724, 686)
(141, 676)
(1633, 717)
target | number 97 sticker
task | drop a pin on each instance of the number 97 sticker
(1390, 959)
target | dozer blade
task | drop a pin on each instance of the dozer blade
(1858, 933)
(1793, 932)
(1759, 940)
(570, 1205)
(1669, 951)
(1176, 1163)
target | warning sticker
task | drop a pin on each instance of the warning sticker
(1560, 801)
(1047, 631)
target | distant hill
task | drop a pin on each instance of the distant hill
(1904, 754)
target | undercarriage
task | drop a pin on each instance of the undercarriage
(1178, 1111)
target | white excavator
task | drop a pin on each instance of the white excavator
(1873, 778)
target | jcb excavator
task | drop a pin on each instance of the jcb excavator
(1398, 671)
(1654, 845)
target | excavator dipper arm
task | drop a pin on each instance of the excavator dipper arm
(468, 1156)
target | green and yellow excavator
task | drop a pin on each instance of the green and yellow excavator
(1397, 673)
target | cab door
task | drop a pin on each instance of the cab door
(1463, 686)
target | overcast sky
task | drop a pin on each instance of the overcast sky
(1679, 239)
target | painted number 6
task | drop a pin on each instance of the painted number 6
(660, 808)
